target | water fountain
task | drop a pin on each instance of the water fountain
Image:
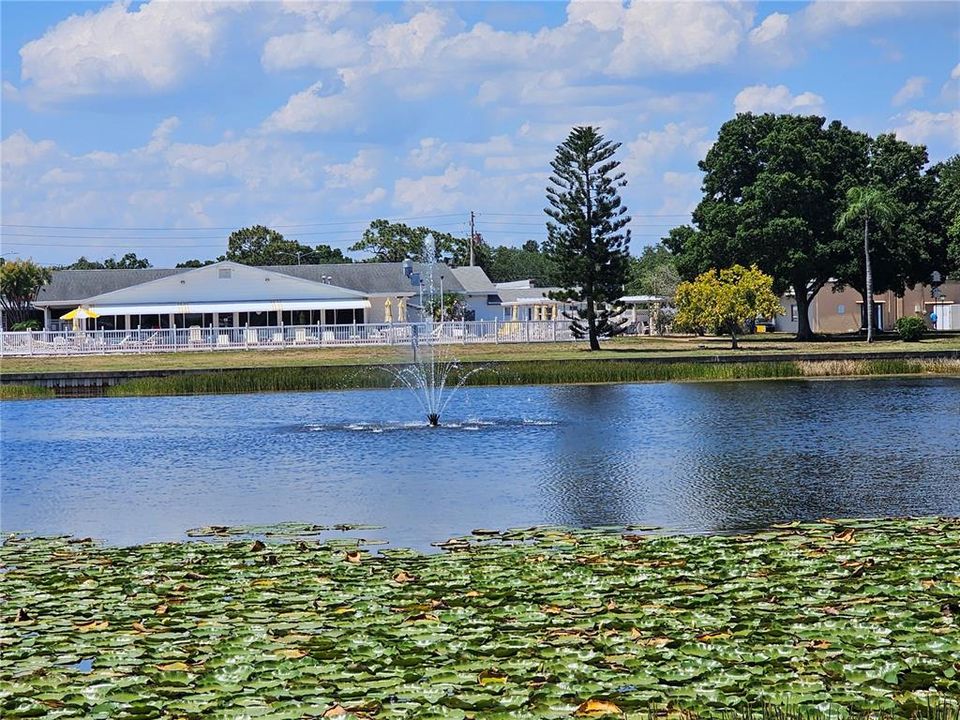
(434, 374)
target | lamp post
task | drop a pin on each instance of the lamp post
(441, 298)
(298, 254)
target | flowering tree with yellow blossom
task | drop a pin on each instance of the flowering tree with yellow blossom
(722, 301)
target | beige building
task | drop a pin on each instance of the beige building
(833, 311)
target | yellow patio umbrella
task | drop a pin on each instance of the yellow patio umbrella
(556, 311)
(78, 315)
(515, 313)
(401, 310)
(388, 310)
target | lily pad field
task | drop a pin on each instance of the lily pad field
(837, 618)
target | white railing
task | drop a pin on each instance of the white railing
(106, 342)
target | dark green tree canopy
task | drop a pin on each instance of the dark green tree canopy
(129, 261)
(458, 253)
(259, 245)
(943, 215)
(587, 237)
(654, 272)
(326, 255)
(904, 250)
(395, 242)
(20, 283)
(507, 264)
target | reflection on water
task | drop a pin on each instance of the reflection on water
(703, 457)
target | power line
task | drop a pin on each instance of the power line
(231, 227)
(639, 215)
(530, 234)
(523, 224)
(184, 237)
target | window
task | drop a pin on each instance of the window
(841, 309)
(793, 313)
(493, 299)
(224, 273)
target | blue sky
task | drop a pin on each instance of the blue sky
(157, 127)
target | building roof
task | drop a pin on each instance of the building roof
(515, 284)
(474, 280)
(526, 296)
(69, 286)
(643, 299)
(372, 278)
(74, 286)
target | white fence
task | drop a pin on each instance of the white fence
(109, 342)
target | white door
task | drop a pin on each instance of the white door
(948, 317)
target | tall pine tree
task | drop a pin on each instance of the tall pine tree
(586, 235)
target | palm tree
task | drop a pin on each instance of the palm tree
(868, 204)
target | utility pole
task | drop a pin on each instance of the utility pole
(473, 237)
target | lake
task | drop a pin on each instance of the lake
(695, 457)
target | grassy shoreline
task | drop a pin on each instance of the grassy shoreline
(340, 377)
(521, 373)
(841, 617)
(645, 348)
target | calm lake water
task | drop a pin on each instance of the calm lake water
(692, 457)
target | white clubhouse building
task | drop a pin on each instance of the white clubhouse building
(231, 295)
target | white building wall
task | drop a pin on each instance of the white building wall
(481, 310)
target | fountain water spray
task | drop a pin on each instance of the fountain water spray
(431, 374)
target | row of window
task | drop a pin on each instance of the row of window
(243, 319)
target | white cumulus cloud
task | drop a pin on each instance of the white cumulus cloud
(316, 47)
(773, 27)
(147, 49)
(19, 150)
(650, 148)
(824, 16)
(923, 126)
(911, 89)
(309, 111)
(679, 36)
(433, 193)
(776, 99)
(359, 171)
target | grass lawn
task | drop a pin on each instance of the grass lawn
(835, 617)
(623, 348)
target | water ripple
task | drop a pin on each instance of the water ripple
(705, 457)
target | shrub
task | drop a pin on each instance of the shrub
(910, 328)
(26, 325)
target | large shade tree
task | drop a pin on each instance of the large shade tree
(587, 237)
(866, 205)
(20, 283)
(772, 190)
